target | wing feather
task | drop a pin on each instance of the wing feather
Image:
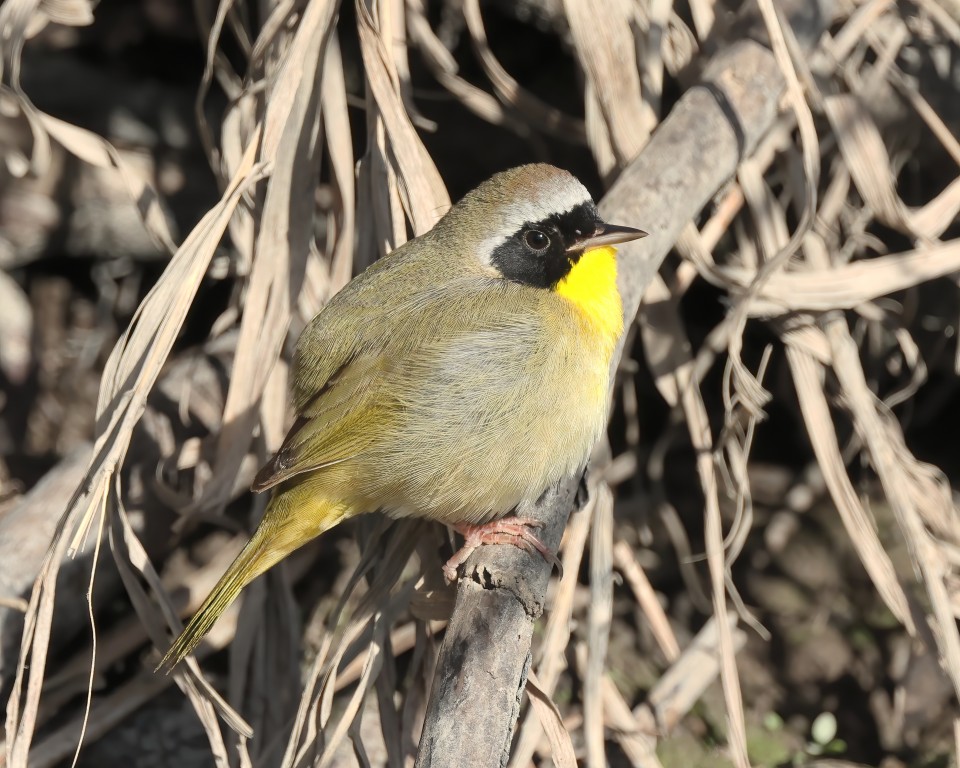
(348, 355)
(333, 427)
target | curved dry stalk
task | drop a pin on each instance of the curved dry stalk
(363, 632)
(646, 597)
(291, 125)
(789, 59)
(599, 618)
(139, 355)
(444, 67)
(807, 374)
(423, 192)
(510, 92)
(562, 752)
(603, 36)
(915, 506)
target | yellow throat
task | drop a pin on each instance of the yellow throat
(591, 284)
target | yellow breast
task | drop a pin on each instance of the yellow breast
(591, 285)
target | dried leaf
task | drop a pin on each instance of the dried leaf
(561, 745)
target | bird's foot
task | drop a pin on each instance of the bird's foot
(507, 530)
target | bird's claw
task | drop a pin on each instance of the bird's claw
(506, 530)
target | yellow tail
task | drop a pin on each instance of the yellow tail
(293, 517)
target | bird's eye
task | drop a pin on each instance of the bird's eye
(536, 240)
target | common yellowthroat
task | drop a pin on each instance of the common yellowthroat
(455, 378)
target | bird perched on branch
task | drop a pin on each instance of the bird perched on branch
(457, 377)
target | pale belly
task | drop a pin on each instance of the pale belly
(490, 429)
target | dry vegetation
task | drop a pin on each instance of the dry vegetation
(767, 570)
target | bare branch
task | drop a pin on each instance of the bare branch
(485, 655)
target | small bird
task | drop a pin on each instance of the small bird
(462, 374)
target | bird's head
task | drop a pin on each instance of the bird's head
(531, 225)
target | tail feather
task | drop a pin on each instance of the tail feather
(293, 517)
(241, 572)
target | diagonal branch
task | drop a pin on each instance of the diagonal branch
(485, 656)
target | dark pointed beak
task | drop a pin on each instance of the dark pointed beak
(607, 234)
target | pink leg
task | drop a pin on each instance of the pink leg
(506, 530)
